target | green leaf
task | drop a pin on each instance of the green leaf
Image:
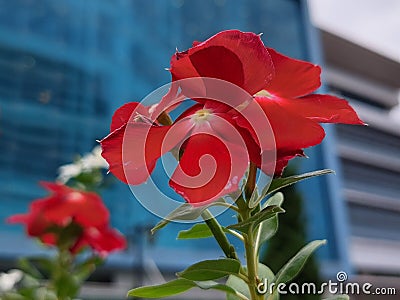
(338, 297)
(276, 200)
(27, 267)
(255, 198)
(269, 227)
(12, 296)
(198, 231)
(66, 285)
(211, 269)
(293, 267)
(178, 286)
(256, 219)
(45, 264)
(45, 294)
(28, 282)
(86, 268)
(173, 287)
(264, 273)
(207, 285)
(239, 285)
(184, 212)
(278, 183)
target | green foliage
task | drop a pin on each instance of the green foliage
(255, 220)
(177, 286)
(56, 277)
(279, 183)
(269, 227)
(198, 231)
(184, 212)
(295, 265)
(170, 288)
(258, 222)
(239, 285)
(292, 232)
(211, 269)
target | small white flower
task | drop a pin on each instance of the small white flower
(66, 172)
(87, 163)
(10, 279)
(94, 160)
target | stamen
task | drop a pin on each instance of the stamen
(264, 93)
(202, 115)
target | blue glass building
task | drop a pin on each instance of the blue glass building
(65, 66)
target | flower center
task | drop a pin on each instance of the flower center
(202, 115)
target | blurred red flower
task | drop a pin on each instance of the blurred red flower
(65, 208)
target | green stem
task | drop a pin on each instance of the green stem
(219, 234)
(251, 181)
(242, 206)
(63, 262)
(236, 234)
(252, 265)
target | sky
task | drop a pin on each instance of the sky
(374, 24)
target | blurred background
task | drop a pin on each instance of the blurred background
(66, 65)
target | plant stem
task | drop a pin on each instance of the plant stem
(252, 265)
(219, 234)
(63, 263)
(251, 181)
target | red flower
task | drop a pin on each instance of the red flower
(213, 158)
(281, 86)
(228, 125)
(65, 206)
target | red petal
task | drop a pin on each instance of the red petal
(132, 150)
(234, 56)
(86, 209)
(104, 240)
(125, 154)
(292, 132)
(123, 114)
(282, 160)
(293, 78)
(322, 108)
(49, 239)
(209, 169)
(20, 218)
(35, 223)
(54, 188)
